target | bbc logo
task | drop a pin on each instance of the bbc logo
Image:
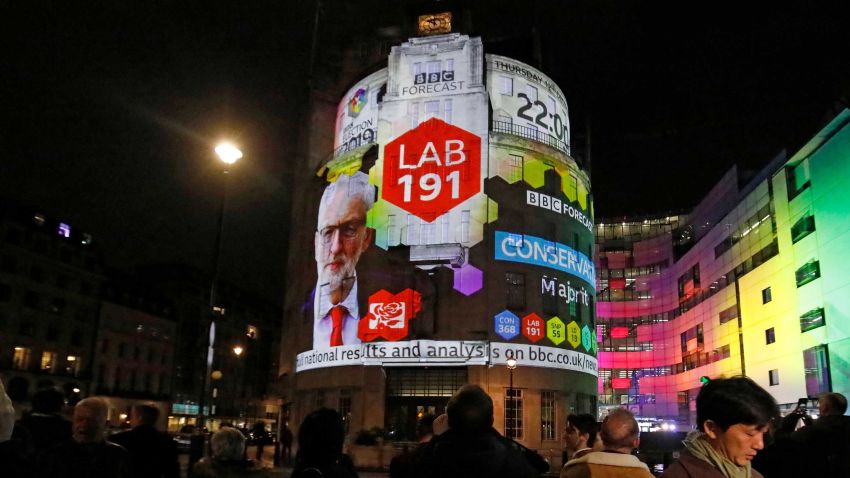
(542, 200)
(435, 77)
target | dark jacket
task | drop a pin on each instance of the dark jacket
(343, 467)
(209, 468)
(14, 461)
(485, 454)
(689, 466)
(153, 454)
(70, 459)
(45, 430)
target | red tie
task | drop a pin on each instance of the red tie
(337, 314)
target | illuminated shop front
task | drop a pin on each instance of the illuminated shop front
(454, 231)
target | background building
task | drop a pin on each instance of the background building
(50, 278)
(481, 247)
(750, 282)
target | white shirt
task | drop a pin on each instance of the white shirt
(323, 323)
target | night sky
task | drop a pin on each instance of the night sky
(111, 109)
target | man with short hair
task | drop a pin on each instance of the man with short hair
(471, 447)
(826, 442)
(341, 237)
(87, 454)
(619, 435)
(580, 434)
(45, 423)
(154, 454)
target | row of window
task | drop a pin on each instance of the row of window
(52, 331)
(128, 380)
(9, 264)
(50, 362)
(123, 352)
(749, 226)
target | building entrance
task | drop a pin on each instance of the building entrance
(414, 392)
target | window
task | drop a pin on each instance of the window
(812, 319)
(21, 359)
(64, 230)
(816, 366)
(513, 413)
(770, 336)
(344, 407)
(52, 332)
(57, 306)
(515, 290)
(392, 230)
(104, 346)
(551, 299)
(252, 332)
(412, 230)
(807, 273)
(773, 376)
(48, 361)
(506, 85)
(765, 295)
(547, 415)
(72, 367)
(447, 111)
(464, 226)
(432, 109)
(797, 178)
(729, 314)
(802, 228)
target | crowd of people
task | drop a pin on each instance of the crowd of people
(739, 431)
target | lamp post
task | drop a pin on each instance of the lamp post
(228, 154)
(239, 383)
(511, 363)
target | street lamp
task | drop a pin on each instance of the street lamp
(228, 154)
(239, 383)
(511, 363)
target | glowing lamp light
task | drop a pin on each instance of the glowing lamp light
(238, 350)
(216, 375)
(228, 153)
(75, 390)
(511, 363)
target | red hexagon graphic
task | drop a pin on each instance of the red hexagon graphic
(533, 327)
(431, 169)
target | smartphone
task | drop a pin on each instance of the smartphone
(802, 403)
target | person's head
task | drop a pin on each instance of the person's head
(619, 431)
(48, 400)
(581, 431)
(341, 233)
(227, 444)
(832, 403)
(90, 420)
(470, 410)
(320, 437)
(144, 415)
(734, 413)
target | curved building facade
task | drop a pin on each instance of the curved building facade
(751, 282)
(454, 231)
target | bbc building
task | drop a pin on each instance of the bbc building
(448, 239)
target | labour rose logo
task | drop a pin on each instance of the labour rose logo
(389, 315)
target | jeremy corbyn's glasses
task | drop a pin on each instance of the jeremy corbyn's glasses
(347, 231)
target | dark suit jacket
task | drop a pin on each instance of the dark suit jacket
(153, 454)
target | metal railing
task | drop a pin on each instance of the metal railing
(530, 133)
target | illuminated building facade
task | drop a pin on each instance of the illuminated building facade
(753, 281)
(451, 229)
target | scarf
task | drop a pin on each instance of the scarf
(697, 444)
